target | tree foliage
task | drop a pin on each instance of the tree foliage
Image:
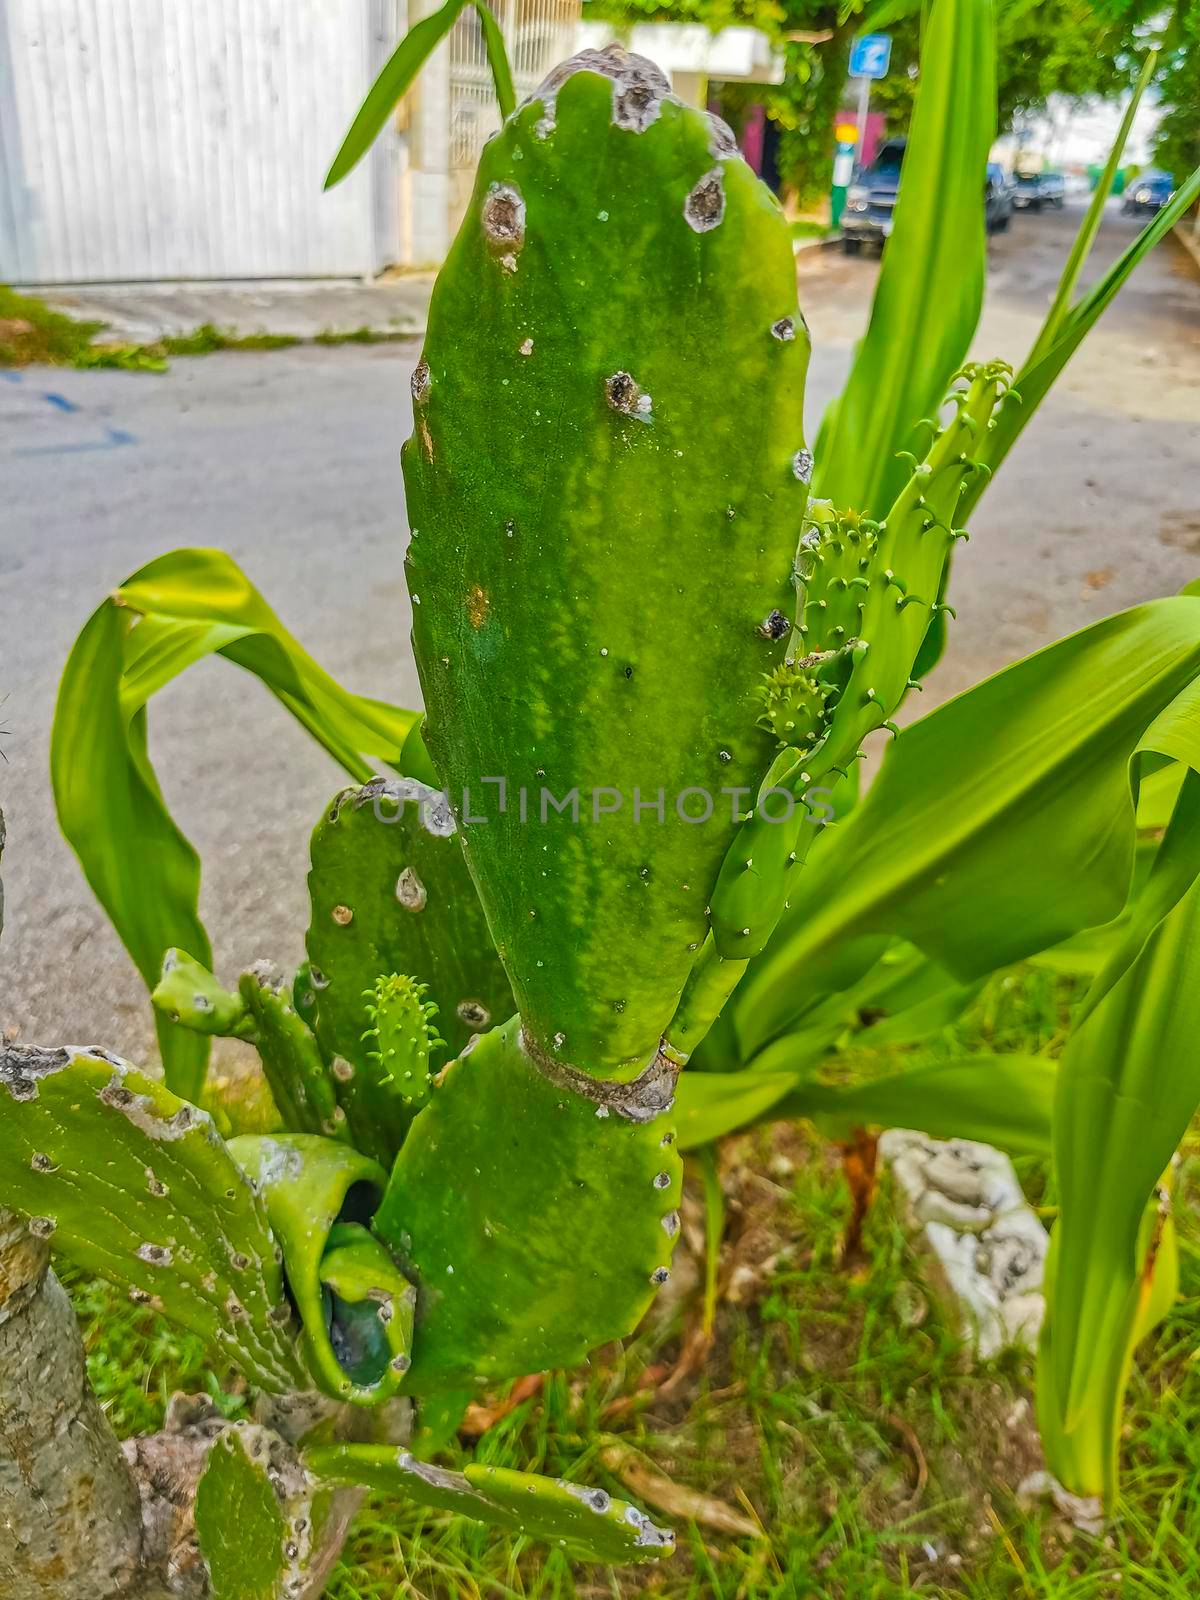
(1079, 48)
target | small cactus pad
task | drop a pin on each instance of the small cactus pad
(588, 1524)
(391, 894)
(300, 1081)
(605, 487)
(135, 1185)
(188, 993)
(355, 1305)
(536, 1221)
(260, 1518)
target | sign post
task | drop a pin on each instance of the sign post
(869, 60)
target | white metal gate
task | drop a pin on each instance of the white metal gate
(538, 33)
(160, 139)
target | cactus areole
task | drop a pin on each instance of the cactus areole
(606, 483)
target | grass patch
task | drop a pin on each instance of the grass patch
(33, 332)
(206, 339)
(364, 335)
(836, 1406)
(808, 228)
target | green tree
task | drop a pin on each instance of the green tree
(1177, 147)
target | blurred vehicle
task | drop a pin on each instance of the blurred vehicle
(997, 198)
(871, 198)
(1035, 190)
(1149, 192)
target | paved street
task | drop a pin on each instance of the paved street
(289, 460)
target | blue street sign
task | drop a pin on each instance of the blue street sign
(869, 56)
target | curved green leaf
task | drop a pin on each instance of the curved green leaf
(392, 84)
(497, 54)
(930, 287)
(1129, 1085)
(145, 873)
(1035, 379)
(1004, 821)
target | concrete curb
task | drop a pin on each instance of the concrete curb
(1191, 243)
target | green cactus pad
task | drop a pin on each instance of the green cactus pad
(188, 993)
(536, 1221)
(300, 1081)
(605, 488)
(260, 1517)
(391, 894)
(588, 1524)
(135, 1185)
(355, 1305)
(837, 553)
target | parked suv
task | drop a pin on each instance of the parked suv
(871, 198)
(1034, 190)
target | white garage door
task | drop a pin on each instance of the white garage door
(173, 139)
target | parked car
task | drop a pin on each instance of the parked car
(1035, 190)
(997, 198)
(871, 198)
(1150, 192)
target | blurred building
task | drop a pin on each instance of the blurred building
(149, 141)
(158, 140)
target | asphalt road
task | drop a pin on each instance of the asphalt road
(289, 460)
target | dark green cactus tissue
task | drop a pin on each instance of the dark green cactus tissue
(606, 483)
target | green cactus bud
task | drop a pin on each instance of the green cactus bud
(296, 1072)
(558, 1222)
(134, 1185)
(588, 1524)
(600, 566)
(355, 1306)
(381, 856)
(400, 1036)
(188, 993)
(793, 704)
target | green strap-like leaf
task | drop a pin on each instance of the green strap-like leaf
(588, 1524)
(141, 868)
(135, 1185)
(1085, 238)
(1036, 378)
(930, 286)
(145, 873)
(1016, 797)
(497, 54)
(1129, 1084)
(390, 87)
